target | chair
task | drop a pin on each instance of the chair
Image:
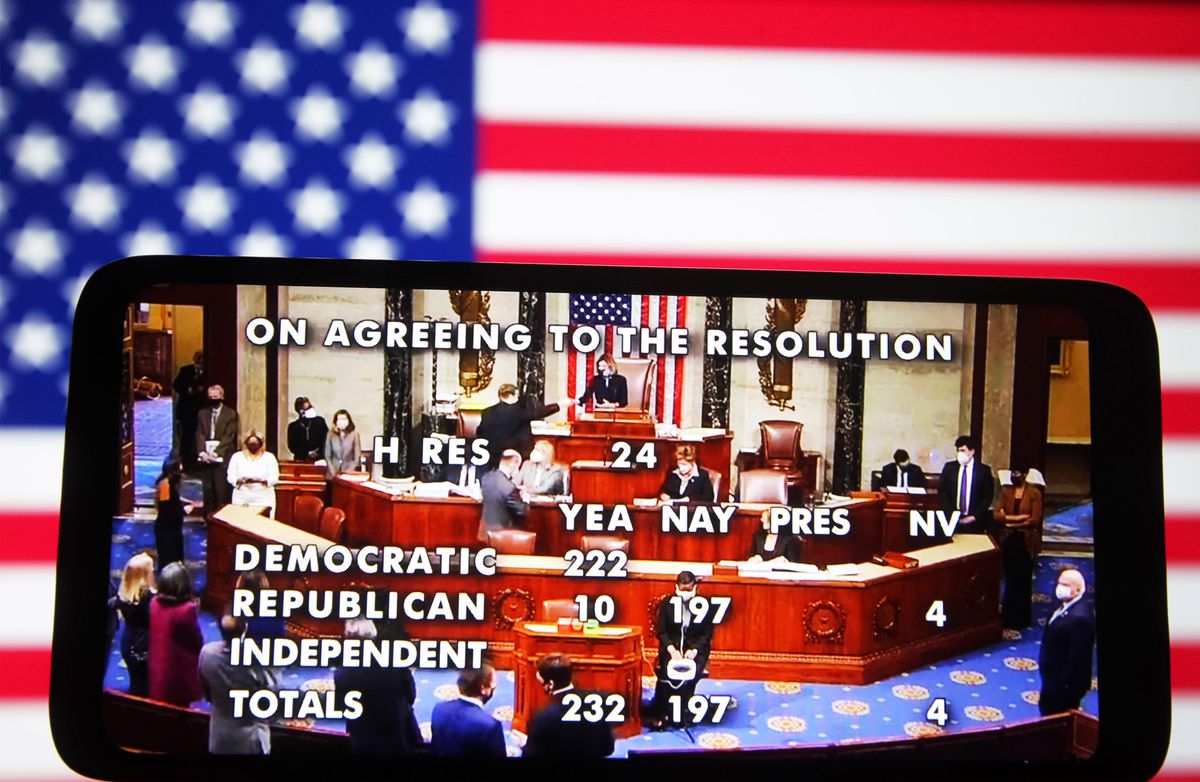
(468, 422)
(306, 512)
(553, 610)
(605, 543)
(512, 541)
(763, 486)
(714, 478)
(780, 445)
(333, 524)
(639, 378)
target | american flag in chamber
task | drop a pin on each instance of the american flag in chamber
(1057, 138)
(605, 312)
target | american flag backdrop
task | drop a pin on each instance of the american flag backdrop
(1055, 138)
(605, 313)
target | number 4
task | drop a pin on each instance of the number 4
(647, 456)
(936, 613)
(937, 712)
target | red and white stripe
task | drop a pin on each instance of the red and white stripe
(1051, 139)
(647, 311)
(1058, 138)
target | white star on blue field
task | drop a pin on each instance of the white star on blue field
(208, 127)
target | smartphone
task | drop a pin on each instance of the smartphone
(435, 517)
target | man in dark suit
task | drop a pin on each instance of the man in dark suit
(461, 727)
(503, 502)
(506, 424)
(901, 472)
(1065, 660)
(967, 486)
(189, 398)
(387, 724)
(306, 435)
(680, 636)
(216, 424)
(550, 735)
(465, 478)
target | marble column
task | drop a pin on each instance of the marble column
(995, 444)
(718, 314)
(397, 386)
(848, 423)
(531, 363)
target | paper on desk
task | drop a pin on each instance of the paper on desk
(439, 490)
(645, 502)
(698, 433)
(848, 569)
(795, 567)
(906, 489)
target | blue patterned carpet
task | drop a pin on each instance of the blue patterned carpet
(153, 428)
(1071, 526)
(997, 683)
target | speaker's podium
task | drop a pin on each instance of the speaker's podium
(607, 661)
(618, 422)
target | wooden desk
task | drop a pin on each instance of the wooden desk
(896, 511)
(376, 516)
(600, 482)
(606, 663)
(296, 478)
(713, 452)
(850, 630)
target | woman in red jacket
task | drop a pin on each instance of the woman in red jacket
(175, 639)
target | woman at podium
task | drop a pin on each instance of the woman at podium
(688, 482)
(607, 388)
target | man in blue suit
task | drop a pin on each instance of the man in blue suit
(461, 727)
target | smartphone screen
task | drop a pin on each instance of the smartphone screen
(531, 523)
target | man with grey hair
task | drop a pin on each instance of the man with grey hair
(227, 734)
(1065, 660)
(217, 433)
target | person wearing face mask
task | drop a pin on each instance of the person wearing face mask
(189, 398)
(967, 486)
(552, 736)
(901, 472)
(461, 727)
(687, 481)
(342, 447)
(306, 435)
(540, 475)
(1065, 659)
(387, 725)
(1019, 515)
(216, 436)
(253, 473)
(503, 503)
(681, 635)
(767, 546)
(168, 522)
(608, 388)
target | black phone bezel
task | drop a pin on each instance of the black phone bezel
(1127, 479)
